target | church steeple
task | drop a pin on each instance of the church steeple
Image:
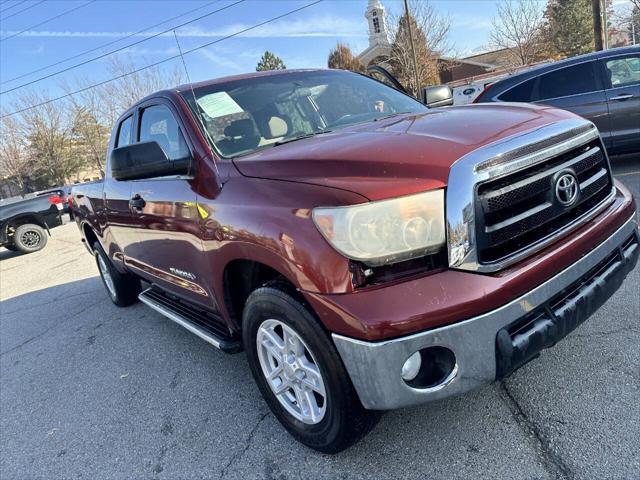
(376, 17)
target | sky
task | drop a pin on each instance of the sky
(302, 39)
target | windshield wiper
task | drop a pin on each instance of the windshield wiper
(384, 117)
(299, 137)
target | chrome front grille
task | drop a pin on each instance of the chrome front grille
(520, 209)
(504, 200)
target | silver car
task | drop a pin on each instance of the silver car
(603, 87)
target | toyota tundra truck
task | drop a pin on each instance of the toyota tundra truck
(367, 252)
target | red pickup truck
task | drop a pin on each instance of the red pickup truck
(365, 251)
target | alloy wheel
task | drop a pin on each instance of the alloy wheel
(30, 238)
(106, 276)
(291, 371)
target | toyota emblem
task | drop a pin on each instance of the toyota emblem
(567, 189)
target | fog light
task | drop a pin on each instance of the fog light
(411, 367)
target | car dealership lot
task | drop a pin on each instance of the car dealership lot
(90, 390)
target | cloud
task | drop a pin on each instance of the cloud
(34, 51)
(317, 26)
(151, 51)
(221, 60)
(470, 23)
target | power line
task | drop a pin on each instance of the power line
(125, 47)
(12, 6)
(108, 43)
(47, 20)
(23, 10)
(186, 52)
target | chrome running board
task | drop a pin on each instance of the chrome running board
(199, 322)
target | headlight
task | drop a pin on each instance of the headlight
(386, 231)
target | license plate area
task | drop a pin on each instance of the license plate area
(524, 339)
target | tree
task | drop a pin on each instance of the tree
(90, 139)
(47, 131)
(95, 110)
(129, 88)
(15, 164)
(53, 143)
(628, 20)
(430, 34)
(341, 57)
(518, 28)
(270, 61)
(570, 27)
(635, 23)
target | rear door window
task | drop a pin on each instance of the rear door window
(519, 93)
(622, 72)
(572, 80)
(124, 132)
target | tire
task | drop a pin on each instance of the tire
(29, 238)
(343, 421)
(122, 288)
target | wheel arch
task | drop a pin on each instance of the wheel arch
(21, 219)
(90, 235)
(240, 277)
(243, 268)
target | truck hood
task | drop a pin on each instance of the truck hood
(397, 156)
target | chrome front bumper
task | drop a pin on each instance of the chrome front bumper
(375, 367)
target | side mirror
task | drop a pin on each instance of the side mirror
(145, 160)
(437, 96)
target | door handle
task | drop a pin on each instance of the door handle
(137, 202)
(622, 97)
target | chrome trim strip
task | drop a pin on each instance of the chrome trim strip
(464, 176)
(178, 319)
(164, 275)
(541, 175)
(594, 178)
(519, 217)
(509, 161)
(375, 367)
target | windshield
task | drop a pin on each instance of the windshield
(246, 115)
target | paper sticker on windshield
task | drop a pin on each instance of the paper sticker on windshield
(219, 104)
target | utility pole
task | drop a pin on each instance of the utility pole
(413, 49)
(605, 25)
(596, 7)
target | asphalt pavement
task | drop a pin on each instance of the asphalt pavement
(89, 390)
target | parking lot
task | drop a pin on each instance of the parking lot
(93, 391)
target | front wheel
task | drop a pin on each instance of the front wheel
(300, 374)
(123, 288)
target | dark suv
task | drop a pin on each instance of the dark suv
(603, 87)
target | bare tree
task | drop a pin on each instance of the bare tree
(56, 141)
(130, 88)
(47, 131)
(430, 32)
(518, 28)
(15, 164)
(627, 20)
(108, 101)
(95, 110)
